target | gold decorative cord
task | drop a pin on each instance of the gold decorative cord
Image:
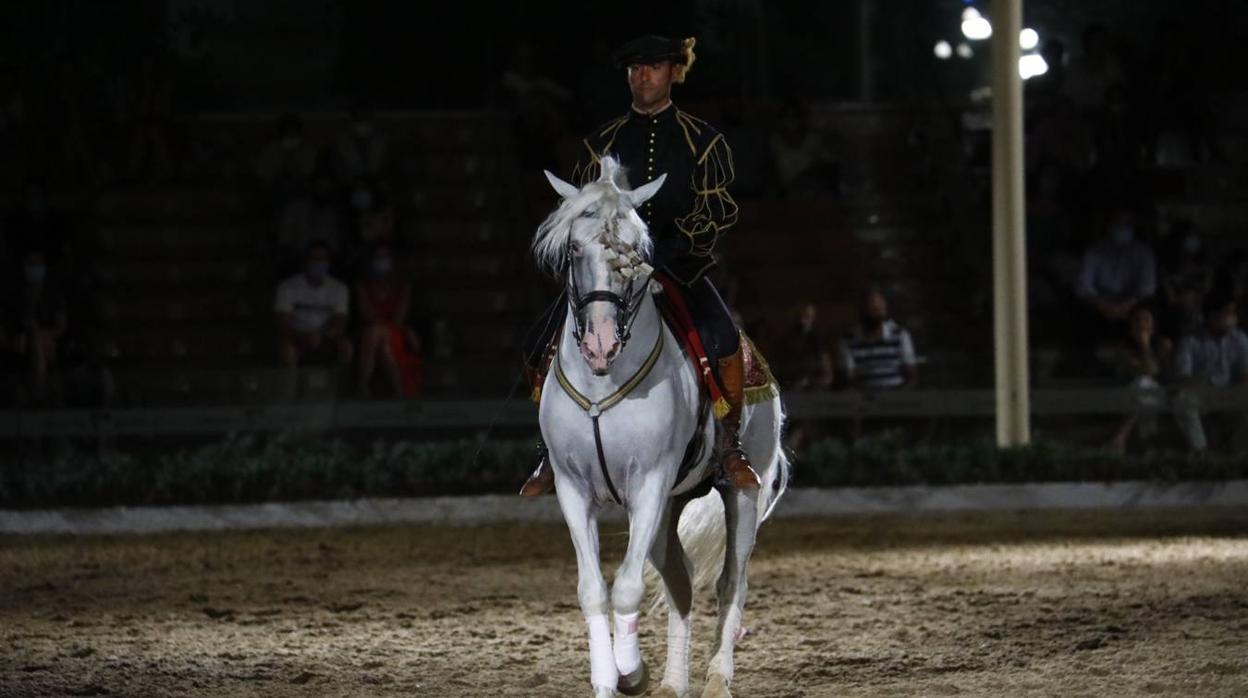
(596, 408)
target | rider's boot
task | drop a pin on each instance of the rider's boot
(543, 478)
(735, 468)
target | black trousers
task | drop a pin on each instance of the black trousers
(711, 317)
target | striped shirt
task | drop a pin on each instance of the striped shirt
(1222, 360)
(877, 363)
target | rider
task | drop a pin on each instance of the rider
(685, 218)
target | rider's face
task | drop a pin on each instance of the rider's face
(650, 83)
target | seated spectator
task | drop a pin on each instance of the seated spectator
(803, 360)
(311, 309)
(36, 322)
(801, 158)
(383, 303)
(1142, 359)
(1185, 277)
(878, 354)
(362, 150)
(1216, 355)
(1117, 275)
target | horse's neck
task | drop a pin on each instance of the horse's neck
(646, 329)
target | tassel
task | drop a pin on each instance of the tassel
(536, 395)
(722, 408)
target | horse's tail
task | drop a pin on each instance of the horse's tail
(702, 531)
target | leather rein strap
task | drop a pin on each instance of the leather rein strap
(595, 409)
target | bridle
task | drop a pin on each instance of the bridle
(628, 264)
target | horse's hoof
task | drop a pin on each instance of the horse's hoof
(635, 683)
(716, 687)
(667, 692)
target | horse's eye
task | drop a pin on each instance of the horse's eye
(574, 248)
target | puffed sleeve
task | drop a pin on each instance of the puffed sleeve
(714, 210)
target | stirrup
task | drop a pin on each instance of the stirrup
(734, 469)
(543, 478)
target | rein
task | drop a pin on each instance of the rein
(595, 409)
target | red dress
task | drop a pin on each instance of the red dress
(385, 300)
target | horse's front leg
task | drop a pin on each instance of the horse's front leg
(647, 505)
(741, 524)
(591, 588)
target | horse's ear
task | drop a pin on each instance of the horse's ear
(564, 189)
(642, 194)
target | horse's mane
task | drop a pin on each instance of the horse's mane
(601, 200)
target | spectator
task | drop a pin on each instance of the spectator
(363, 150)
(1142, 360)
(802, 160)
(1117, 274)
(1217, 355)
(36, 322)
(383, 301)
(878, 354)
(311, 309)
(1096, 69)
(1185, 278)
(803, 358)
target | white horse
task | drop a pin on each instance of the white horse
(617, 417)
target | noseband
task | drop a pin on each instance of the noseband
(626, 304)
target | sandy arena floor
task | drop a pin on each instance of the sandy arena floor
(1143, 603)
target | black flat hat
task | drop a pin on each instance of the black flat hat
(650, 48)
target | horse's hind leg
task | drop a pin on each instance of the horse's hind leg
(591, 587)
(740, 520)
(669, 558)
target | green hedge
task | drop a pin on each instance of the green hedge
(255, 469)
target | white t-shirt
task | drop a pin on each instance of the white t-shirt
(312, 307)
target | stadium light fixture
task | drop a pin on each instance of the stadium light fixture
(1028, 39)
(974, 25)
(1031, 65)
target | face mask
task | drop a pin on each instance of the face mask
(318, 270)
(36, 273)
(382, 266)
(1191, 244)
(1122, 234)
(361, 199)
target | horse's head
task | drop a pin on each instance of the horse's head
(602, 246)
